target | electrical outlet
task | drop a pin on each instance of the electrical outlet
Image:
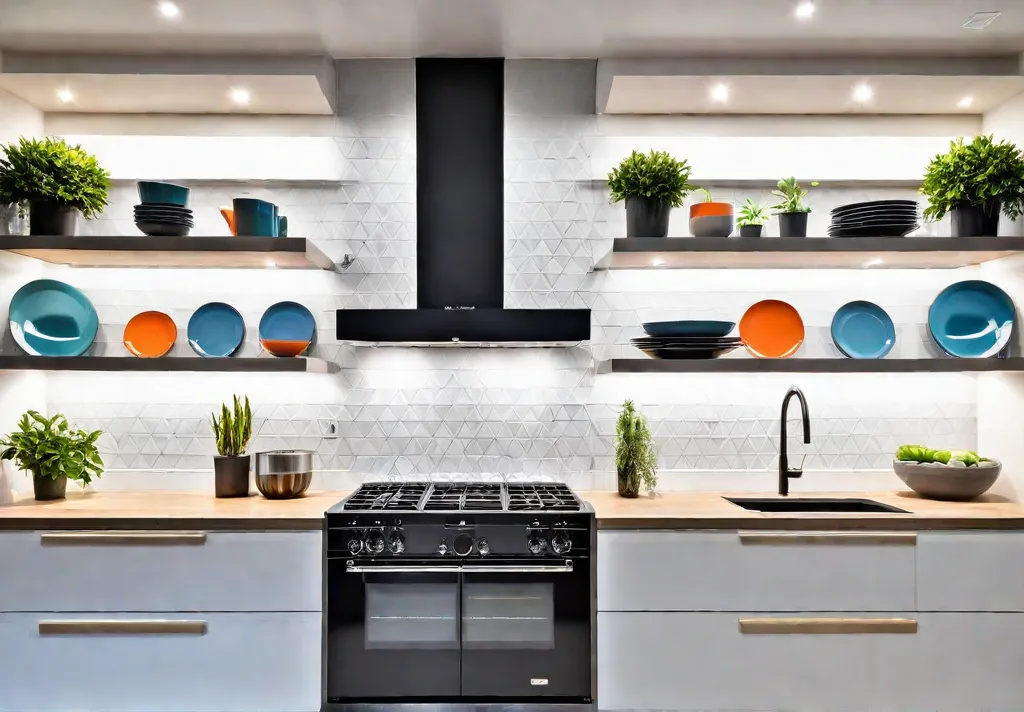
(329, 428)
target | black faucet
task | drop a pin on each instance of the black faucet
(784, 472)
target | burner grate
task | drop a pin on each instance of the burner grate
(551, 497)
(469, 497)
(387, 496)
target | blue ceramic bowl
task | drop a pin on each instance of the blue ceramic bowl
(863, 330)
(287, 321)
(689, 328)
(216, 330)
(51, 318)
(167, 193)
(971, 319)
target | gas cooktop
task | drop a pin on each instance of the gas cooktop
(460, 497)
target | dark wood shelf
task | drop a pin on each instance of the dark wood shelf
(175, 252)
(262, 364)
(812, 365)
(807, 252)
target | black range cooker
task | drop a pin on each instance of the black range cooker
(459, 593)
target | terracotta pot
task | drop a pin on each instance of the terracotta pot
(49, 488)
(711, 219)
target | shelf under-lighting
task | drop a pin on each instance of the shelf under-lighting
(812, 365)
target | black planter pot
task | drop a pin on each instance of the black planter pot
(49, 488)
(231, 476)
(646, 218)
(751, 230)
(976, 220)
(629, 487)
(51, 219)
(792, 224)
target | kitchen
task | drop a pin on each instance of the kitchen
(523, 414)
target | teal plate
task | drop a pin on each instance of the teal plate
(51, 318)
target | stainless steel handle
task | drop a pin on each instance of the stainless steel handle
(753, 538)
(391, 569)
(827, 626)
(121, 627)
(402, 569)
(565, 568)
(123, 538)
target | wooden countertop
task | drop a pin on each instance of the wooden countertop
(677, 510)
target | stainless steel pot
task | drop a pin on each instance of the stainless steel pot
(283, 474)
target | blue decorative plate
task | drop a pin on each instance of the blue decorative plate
(972, 319)
(863, 330)
(689, 328)
(215, 329)
(51, 318)
(287, 321)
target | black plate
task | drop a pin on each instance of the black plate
(680, 354)
(686, 343)
(856, 224)
(164, 221)
(161, 213)
(875, 204)
(160, 207)
(162, 230)
(873, 211)
(873, 231)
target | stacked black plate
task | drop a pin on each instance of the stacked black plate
(680, 347)
(163, 219)
(877, 218)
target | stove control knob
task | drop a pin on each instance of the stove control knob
(463, 544)
(561, 543)
(355, 545)
(442, 547)
(396, 542)
(537, 544)
(483, 546)
(375, 541)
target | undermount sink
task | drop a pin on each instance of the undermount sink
(807, 504)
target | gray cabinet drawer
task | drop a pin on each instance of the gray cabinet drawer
(970, 571)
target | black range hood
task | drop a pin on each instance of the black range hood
(460, 220)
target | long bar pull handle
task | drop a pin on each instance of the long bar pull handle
(402, 569)
(756, 538)
(467, 569)
(121, 627)
(123, 538)
(827, 626)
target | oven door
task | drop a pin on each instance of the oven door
(526, 630)
(392, 631)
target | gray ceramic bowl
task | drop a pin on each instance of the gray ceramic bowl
(955, 484)
(712, 226)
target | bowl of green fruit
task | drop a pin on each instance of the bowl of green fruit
(951, 475)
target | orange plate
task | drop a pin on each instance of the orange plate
(772, 329)
(280, 347)
(150, 334)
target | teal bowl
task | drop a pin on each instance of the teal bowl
(166, 193)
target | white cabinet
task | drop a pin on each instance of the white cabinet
(160, 571)
(254, 662)
(763, 571)
(971, 571)
(955, 662)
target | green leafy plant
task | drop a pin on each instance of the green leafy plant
(919, 453)
(981, 173)
(48, 447)
(706, 195)
(752, 214)
(233, 429)
(49, 170)
(636, 458)
(655, 175)
(791, 196)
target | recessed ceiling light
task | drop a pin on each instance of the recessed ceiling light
(966, 102)
(805, 10)
(65, 95)
(168, 10)
(240, 95)
(863, 93)
(981, 20)
(720, 93)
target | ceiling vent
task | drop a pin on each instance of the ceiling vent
(981, 20)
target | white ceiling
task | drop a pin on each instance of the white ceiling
(808, 94)
(178, 94)
(513, 28)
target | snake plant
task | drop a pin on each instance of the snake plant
(233, 429)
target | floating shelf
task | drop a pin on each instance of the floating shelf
(812, 365)
(261, 364)
(191, 252)
(807, 252)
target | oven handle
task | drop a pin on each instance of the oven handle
(565, 568)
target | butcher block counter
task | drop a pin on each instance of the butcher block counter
(680, 510)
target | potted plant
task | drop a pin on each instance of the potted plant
(791, 209)
(752, 218)
(57, 180)
(53, 452)
(975, 182)
(651, 184)
(233, 430)
(710, 219)
(636, 460)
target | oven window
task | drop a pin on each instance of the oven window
(412, 615)
(508, 616)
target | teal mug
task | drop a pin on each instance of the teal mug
(253, 217)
